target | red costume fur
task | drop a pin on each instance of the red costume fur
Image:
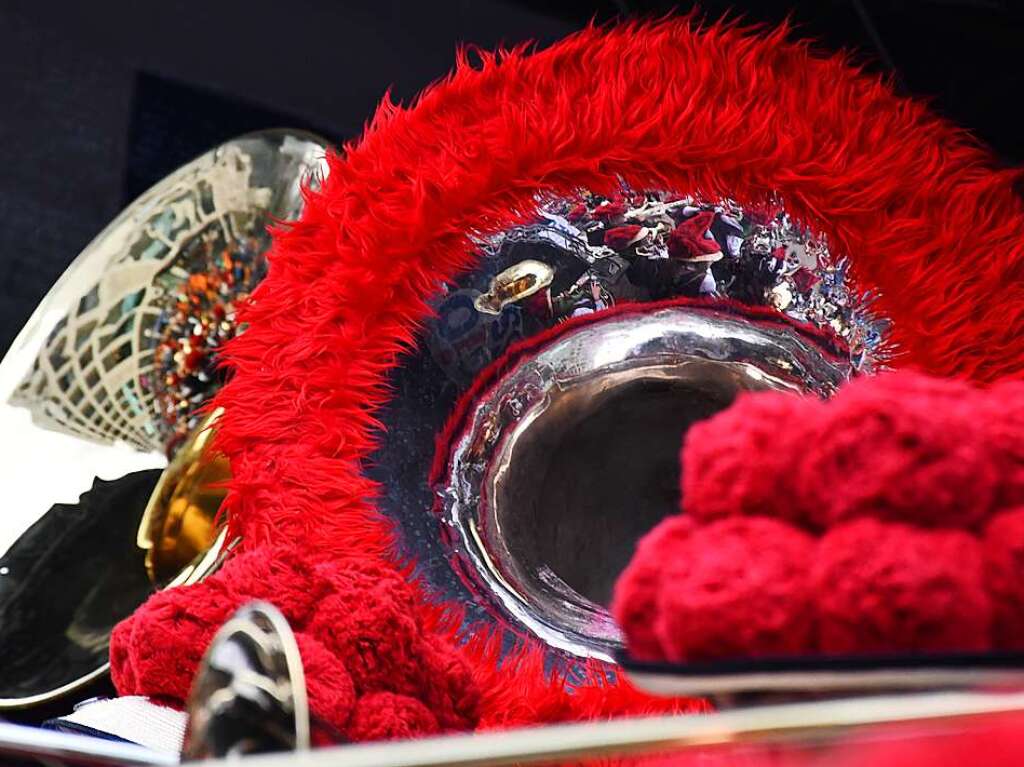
(721, 111)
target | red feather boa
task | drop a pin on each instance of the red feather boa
(721, 111)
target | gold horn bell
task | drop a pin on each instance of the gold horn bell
(111, 486)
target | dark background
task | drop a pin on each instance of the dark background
(99, 100)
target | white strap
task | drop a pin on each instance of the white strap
(135, 719)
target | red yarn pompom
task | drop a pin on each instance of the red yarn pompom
(740, 461)
(357, 621)
(448, 687)
(900, 447)
(371, 621)
(886, 587)
(387, 716)
(378, 639)
(157, 651)
(610, 210)
(329, 687)
(1005, 431)
(736, 587)
(635, 600)
(1004, 566)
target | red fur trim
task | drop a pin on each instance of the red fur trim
(717, 111)
(907, 196)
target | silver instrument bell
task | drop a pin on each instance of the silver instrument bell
(102, 388)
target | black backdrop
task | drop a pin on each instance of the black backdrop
(99, 100)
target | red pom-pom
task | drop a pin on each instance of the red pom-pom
(387, 716)
(1004, 428)
(904, 448)
(608, 211)
(373, 628)
(370, 619)
(885, 587)
(635, 601)
(328, 684)
(899, 447)
(447, 685)
(1004, 565)
(577, 213)
(157, 650)
(357, 622)
(281, 575)
(738, 587)
(740, 461)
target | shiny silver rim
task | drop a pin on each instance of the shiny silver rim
(720, 351)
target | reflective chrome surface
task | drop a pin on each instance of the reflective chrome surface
(85, 428)
(694, 738)
(562, 464)
(249, 696)
(34, 745)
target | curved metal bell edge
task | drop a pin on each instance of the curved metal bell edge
(250, 697)
(39, 480)
(179, 525)
(152, 535)
(92, 259)
(206, 563)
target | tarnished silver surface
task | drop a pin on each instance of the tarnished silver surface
(84, 395)
(492, 498)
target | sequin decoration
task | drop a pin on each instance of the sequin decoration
(196, 318)
(649, 246)
(133, 356)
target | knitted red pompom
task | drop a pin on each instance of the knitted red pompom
(447, 685)
(1004, 565)
(329, 687)
(355, 619)
(886, 587)
(740, 461)
(284, 576)
(374, 631)
(610, 210)
(1005, 427)
(387, 716)
(370, 621)
(635, 600)
(736, 587)
(900, 447)
(160, 647)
